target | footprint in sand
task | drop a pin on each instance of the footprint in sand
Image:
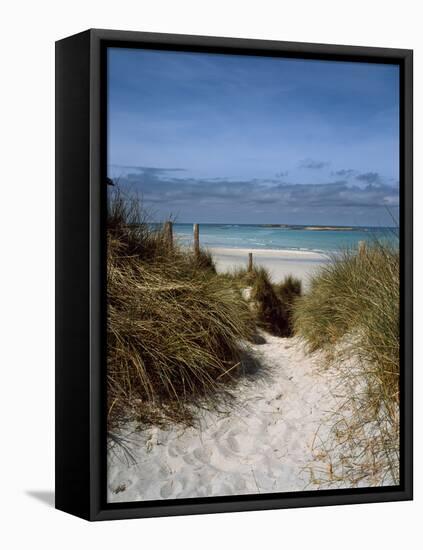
(174, 451)
(233, 444)
(189, 459)
(167, 490)
(177, 449)
(202, 454)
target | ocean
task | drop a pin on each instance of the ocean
(282, 238)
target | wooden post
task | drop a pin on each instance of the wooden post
(361, 248)
(250, 261)
(168, 232)
(196, 230)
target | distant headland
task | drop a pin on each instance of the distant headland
(312, 227)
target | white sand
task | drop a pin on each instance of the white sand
(280, 263)
(277, 435)
(264, 444)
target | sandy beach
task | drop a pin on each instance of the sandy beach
(279, 263)
(275, 435)
(265, 443)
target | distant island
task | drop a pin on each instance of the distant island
(328, 228)
(311, 227)
(274, 225)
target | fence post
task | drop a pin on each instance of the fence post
(250, 261)
(361, 248)
(196, 230)
(168, 232)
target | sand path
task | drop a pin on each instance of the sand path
(263, 444)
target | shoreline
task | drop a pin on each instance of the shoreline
(281, 253)
(280, 263)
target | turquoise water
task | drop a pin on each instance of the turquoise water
(283, 238)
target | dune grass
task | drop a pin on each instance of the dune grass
(357, 294)
(273, 303)
(352, 312)
(175, 328)
(288, 291)
(272, 312)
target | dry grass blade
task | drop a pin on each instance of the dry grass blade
(175, 327)
(352, 312)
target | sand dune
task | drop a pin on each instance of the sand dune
(280, 263)
(263, 444)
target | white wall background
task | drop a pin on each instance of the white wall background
(28, 31)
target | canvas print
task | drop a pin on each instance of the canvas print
(252, 275)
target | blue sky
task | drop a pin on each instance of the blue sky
(241, 139)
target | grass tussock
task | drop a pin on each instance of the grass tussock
(273, 303)
(288, 291)
(352, 313)
(272, 312)
(174, 326)
(204, 261)
(357, 294)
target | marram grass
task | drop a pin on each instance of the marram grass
(352, 312)
(273, 304)
(357, 294)
(175, 328)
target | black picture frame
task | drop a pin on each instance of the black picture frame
(80, 274)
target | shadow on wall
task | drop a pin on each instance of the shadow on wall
(46, 497)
